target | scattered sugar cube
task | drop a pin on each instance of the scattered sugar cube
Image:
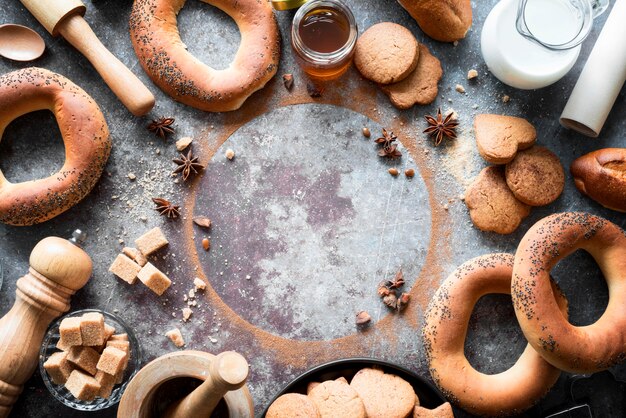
(176, 337)
(58, 368)
(92, 329)
(70, 332)
(135, 255)
(183, 143)
(230, 154)
(106, 382)
(82, 386)
(125, 268)
(84, 357)
(187, 314)
(459, 88)
(112, 360)
(199, 284)
(154, 279)
(472, 74)
(151, 241)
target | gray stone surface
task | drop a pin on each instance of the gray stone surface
(284, 239)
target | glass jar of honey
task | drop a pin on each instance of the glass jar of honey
(323, 38)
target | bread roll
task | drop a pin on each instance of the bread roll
(442, 20)
(601, 175)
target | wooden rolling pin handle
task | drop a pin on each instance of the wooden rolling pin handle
(126, 86)
(58, 269)
(228, 371)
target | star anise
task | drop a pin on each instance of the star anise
(187, 164)
(164, 207)
(388, 148)
(162, 126)
(398, 281)
(441, 128)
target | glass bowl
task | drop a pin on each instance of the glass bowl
(427, 393)
(63, 395)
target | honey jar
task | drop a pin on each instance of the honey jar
(323, 38)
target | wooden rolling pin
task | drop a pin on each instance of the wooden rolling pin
(228, 371)
(58, 268)
(65, 18)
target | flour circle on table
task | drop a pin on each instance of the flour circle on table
(306, 215)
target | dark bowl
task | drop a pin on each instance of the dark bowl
(428, 395)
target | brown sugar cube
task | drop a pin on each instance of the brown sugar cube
(176, 337)
(62, 345)
(70, 332)
(92, 329)
(120, 345)
(199, 284)
(154, 279)
(119, 337)
(151, 241)
(135, 255)
(109, 331)
(125, 268)
(82, 386)
(58, 368)
(106, 382)
(84, 357)
(119, 378)
(112, 360)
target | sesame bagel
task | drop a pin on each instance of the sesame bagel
(585, 349)
(445, 330)
(85, 136)
(162, 54)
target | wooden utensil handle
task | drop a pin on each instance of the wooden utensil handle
(228, 371)
(126, 86)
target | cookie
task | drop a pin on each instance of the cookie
(492, 205)
(337, 399)
(293, 405)
(386, 53)
(500, 137)
(442, 411)
(535, 176)
(384, 395)
(420, 87)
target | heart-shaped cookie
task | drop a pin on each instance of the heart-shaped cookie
(500, 137)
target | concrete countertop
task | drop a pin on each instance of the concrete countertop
(306, 220)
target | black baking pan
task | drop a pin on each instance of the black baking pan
(428, 395)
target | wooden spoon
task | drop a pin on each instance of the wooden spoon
(20, 43)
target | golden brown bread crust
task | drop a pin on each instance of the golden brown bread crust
(601, 175)
(85, 135)
(586, 349)
(442, 20)
(444, 332)
(163, 56)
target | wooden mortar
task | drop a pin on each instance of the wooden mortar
(221, 377)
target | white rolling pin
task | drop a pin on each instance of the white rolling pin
(602, 77)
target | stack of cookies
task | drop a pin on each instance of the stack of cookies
(372, 393)
(523, 175)
(389, 54)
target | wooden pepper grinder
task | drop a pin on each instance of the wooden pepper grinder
(58, 268)
(149, 394)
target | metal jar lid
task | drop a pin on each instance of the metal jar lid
(287, 4)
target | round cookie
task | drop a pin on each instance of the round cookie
(386, 53)
(535, 176)
(420, 87)
(293, 405)
(337, 399)
(383, 395)
(492, 205)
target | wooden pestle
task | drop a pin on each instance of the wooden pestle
(58, 269)
(228, 371)
(65, 18)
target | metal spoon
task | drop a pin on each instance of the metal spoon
(20, 43)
